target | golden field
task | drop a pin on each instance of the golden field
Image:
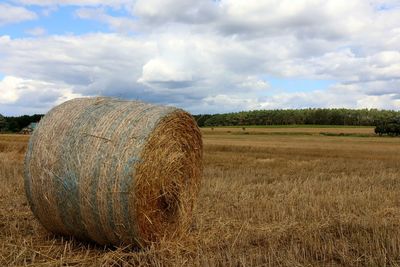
(273, 199)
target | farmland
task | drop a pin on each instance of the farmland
(270, 197)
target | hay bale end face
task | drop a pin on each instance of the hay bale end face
(115, 172)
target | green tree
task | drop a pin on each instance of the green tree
(3, 123)
(389, 127)
(15, 124)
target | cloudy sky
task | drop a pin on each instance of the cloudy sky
(206, 56)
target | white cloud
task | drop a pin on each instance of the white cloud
(27, 95)
(8, 90)
(331, 98)
(188, 11)
(209, 56)
(13, 14)
(254, 83)
(160, 71)
(75, 60)
(224, 103)
(381, 102)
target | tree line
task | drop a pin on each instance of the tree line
(353, 117)
(387, 122)
(16, 124)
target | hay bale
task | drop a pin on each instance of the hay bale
(113, 171)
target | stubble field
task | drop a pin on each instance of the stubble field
(266, 200)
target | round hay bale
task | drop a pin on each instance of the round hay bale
(115, 172)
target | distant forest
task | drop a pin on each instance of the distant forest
(16, 124)
(355, 117)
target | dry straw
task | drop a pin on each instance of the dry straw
(116, 172)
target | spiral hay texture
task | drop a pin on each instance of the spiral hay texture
(115, 172)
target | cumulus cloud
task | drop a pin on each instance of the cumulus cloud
(213, 56)
(13, 14)
(186, 11)
(75, 60)
(8, 90)
(330, 20)
(26, 95)
(161, 71)
(254, 83)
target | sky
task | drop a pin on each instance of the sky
(205, 56)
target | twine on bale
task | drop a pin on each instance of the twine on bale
(115, 172)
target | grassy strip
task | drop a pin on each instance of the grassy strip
(349, 134)
(289, 126)
(257, 133)
(295, 134)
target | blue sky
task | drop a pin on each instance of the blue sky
(59, 22)
(203, 56)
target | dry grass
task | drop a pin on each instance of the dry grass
(293, 129)
(266, 200)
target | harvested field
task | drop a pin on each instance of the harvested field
(266, 200)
